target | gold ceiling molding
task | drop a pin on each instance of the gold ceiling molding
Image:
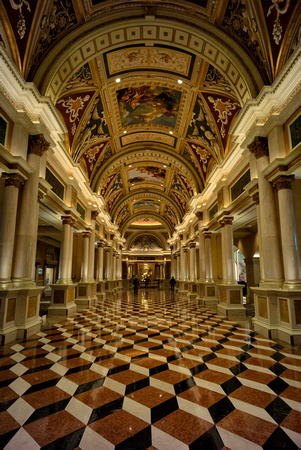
(162, 156)
(198, 38)
(153, 216)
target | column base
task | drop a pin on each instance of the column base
(100, 290)
(192, 289)
(183, 287)
(62, 299)
(278, 314)
(208, 294)
(86, 294)
(231, 301)
(19, 313)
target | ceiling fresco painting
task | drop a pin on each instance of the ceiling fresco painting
(162, 59)
(149, 105)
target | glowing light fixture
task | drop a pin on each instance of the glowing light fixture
(117, 80)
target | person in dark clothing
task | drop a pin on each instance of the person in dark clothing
(172, 284)
(146, 282)
(136, 285)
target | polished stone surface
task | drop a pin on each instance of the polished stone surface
(154, 371)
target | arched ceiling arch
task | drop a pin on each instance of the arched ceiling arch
(155, 241)
(185, 71)
(152, 218)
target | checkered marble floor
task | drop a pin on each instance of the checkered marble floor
(149, 372)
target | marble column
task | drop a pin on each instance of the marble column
(289, 238)
(202, 257)
(227, 250)
(185, 264)
(70, 260)
(64, 275)
(24, 255)
(208, 255)
(91, 263)
(270, 238)
(8, 217)
(172, 262)
(99, 266)
(192, 262)
(85, 256)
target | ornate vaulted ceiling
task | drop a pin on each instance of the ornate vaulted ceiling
(148, 94)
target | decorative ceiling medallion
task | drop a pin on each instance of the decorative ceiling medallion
(148, 137)
(154, 58)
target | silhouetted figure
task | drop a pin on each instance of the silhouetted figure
(146, 282)
(172, 284)
(136, 285)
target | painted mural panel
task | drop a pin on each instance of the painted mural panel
(146, 137)
(147, 174)
(148, 104)
(146, 204)
(295, 132)
(155, 58)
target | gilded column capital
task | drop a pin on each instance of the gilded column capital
(86, 234)
(192, 245)
(13, 179)
(207, 234)
(226, 221)
(40, 196)
(283, 182)
(185, 249)
(100, 244)
(67, 220)
(94, 215)
(199, 215)
(37, 144)
(259, 147)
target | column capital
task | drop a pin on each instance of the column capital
(199, 215)
(67, 220)
(259, 147)
(283, 182)
(13, 179)
(94, 215)
(86, 234)
(100, 244)
(185, 249)
(207, 234)
(181, 236)
(192, 245)
(226, 221)
(37, 144)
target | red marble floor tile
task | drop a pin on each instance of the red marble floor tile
(127, 377)
(45, 397)
(291, 361)
(150, 396)
(119, 344)
(205, 344)
(292, 393)
(6, 394)
(118, 427)
(186, 363)
(63, 343)
(132, 353)
(201, 396)
(213, 376)
(223, 362)
(196, 352)
(148, 363)
(32, 342)
(183, 426)
(66, 352)
(74, 362)
(291, 375)
(34, 352)
(7, 362)
(7, 375)
(40, 377)
(37, 362)
(253, 396)
(247, 426)
(292, 421)
(164, 352)
(261, 351)
(84, 376)
(258, 377)
(50, 428)
(97, 397)
(111, 363)
(260, 362)
(170, 376)
(229, 352)
(7, 423)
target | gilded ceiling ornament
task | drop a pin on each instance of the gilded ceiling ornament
(73, 107)
(277, 28)
(21, 24)
(37, 144)
(224, 110)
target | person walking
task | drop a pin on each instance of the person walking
(172, 284)
(136, 284)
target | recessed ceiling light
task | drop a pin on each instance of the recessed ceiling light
(117, 80)
(132, 185)
(130, 165)
(161, 184)
(164, 166)
(124, 131)
(171, 132)
(180, 81)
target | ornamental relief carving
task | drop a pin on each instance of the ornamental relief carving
(37, 144)
(13, 179)
(283, 182)
(259, 147)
